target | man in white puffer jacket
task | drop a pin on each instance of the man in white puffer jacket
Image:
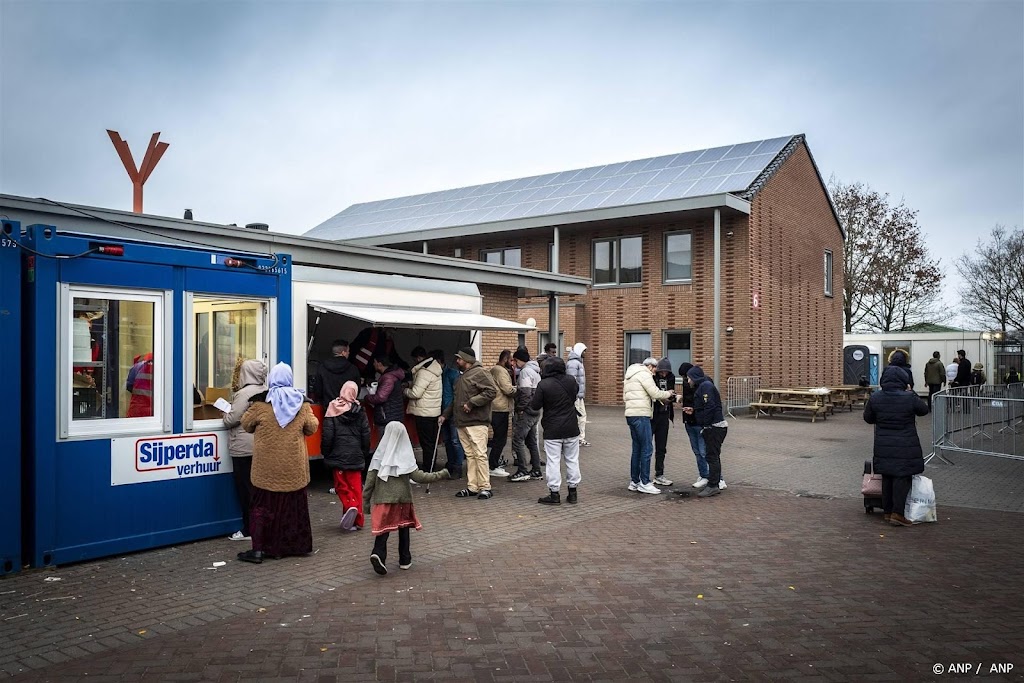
(638, 392)
(425, 404)
(574, 368)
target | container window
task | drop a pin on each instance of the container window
(116, 361)
(224, 333)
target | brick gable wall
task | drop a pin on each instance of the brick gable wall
(796, 334)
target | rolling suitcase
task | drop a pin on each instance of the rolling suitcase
(871, 488)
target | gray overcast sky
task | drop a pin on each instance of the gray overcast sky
(288, 112)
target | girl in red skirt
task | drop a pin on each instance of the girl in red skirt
(387, 495)
(345, 443)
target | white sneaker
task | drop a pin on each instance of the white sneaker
(332, 491)
(700, 483)
(648, 488)
(633, 486)
(239, 536)
(499, 472)
(662, 481)
(721, 484)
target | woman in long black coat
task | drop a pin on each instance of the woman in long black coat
(897, 452)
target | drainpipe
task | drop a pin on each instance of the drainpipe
(718, 294)
(553, 325)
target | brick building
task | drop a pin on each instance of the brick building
(647, 232)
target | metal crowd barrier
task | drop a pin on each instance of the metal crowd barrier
(986, 420)
(740, 392)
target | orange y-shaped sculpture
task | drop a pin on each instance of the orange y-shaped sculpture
(139, 177)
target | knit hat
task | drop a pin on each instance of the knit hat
(522, 354)
(651, 361)
(467, 354)
(664, 365)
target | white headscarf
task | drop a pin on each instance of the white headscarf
(393, 456)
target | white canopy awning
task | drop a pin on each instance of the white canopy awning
(418, 318)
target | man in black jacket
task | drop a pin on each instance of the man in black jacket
(707, 414)
(333, 373)
(556, 395)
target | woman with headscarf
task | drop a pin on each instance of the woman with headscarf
(897, 451)
(252, 380)
(345, 444)
(279, 421)
(387, 495)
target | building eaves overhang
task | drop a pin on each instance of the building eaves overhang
(303, 250)
(716, 201)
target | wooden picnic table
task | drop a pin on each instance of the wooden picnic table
(851, 394)
(770, 401)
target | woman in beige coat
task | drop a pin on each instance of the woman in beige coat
(279, 421)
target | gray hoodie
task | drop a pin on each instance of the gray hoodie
(529, 378)
(253, 378)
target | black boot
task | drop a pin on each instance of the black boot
(572, 496)
(254, 556)
(553, 498)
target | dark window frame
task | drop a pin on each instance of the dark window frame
(616, 258)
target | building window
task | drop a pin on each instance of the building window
(513, 256)
(678, 257)
(677, 348)
(638, 347)
(551, 257)
(223, 333)
(521, 340)
(545, 337)
(115, 359)
(828, 272)
(618, 261)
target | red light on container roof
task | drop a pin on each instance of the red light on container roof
(111, 250)
(233, 263)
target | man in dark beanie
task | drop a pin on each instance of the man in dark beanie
(524, 428)
(664, 413)
(707, 414)
(471, 413)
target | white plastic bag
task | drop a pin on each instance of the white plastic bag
(921, 501)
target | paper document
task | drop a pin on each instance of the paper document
(222, 405)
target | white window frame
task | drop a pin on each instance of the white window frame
(664, 259)
(163, 362)
(617, 261)
(265, 337)
(829, 262)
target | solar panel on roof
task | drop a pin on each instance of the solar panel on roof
(730, 168)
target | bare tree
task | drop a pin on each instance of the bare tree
(890, 280)
(862, 212)
(993, 289)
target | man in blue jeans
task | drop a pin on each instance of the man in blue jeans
(708, 416)
(694, 433)
(639, 392)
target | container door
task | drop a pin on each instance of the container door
(10, 416)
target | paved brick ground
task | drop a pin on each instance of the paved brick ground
(781, 577)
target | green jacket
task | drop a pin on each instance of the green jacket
(475, 387)
(395, 489)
